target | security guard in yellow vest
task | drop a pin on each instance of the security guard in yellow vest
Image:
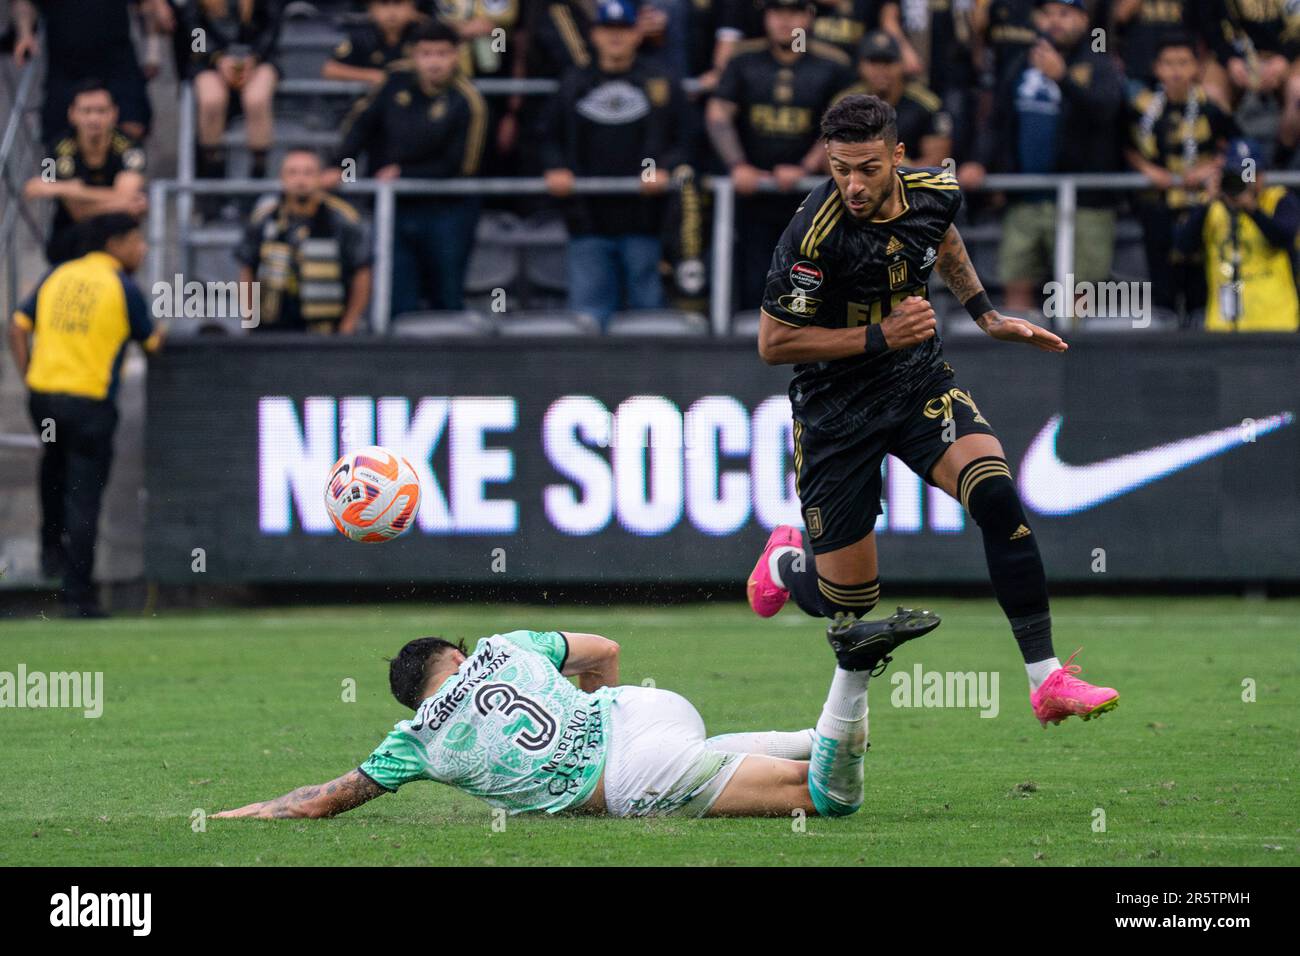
(67, 338)
(1248, 232)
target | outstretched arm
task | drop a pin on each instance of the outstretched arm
(958, 272)
(327, 800)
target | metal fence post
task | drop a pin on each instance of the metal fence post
(381, 285)
(157, 230)
(1066, 210)
(724, 213)
(186, 138)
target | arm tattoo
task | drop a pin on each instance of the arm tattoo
(348, 791)
(726, 141)
(955, 267)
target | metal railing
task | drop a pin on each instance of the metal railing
(18, 147)
(1065, 187)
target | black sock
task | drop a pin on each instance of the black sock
(1015, 566)
(212, 162)
(259, 164)
(819, 597)
(799, 574)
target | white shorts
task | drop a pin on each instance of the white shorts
(657, 763)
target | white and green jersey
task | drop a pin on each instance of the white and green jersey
(506, 727)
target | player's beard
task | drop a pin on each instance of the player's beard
(870, 204)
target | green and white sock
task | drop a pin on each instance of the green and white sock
(835, 772)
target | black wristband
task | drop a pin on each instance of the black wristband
(876, 344)
(978, 304)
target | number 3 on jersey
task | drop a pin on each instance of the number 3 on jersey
(535, 727)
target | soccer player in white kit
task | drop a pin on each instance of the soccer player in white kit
(507, 725)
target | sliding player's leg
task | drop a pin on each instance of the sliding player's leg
(831, 783)
(972, 467)
(786, 744)
(657, 762)
(765, 787)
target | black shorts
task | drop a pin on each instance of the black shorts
(838, 477)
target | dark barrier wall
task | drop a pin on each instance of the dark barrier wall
(1152, 457)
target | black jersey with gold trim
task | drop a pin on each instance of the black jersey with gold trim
(833, 271)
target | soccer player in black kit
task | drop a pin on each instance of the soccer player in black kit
(846, 303)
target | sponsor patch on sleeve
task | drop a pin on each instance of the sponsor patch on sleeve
(806, 276)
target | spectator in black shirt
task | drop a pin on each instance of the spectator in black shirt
(1175, 130)
(1007, 28)
(558, 32)
(82, 41)
(763, 123)
(1145, 25)
(97, 169)
(427, 122)
(1058, 111)
(844, 23)
(924, 127)
(608, 119)
(1254, 46)
(309, 253)
(365, 54)
(232, 54)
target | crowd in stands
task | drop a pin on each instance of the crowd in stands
(1196, 95)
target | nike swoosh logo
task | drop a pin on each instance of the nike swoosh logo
(1051, 487)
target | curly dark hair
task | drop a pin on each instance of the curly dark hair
(409, 671)
(860, 118)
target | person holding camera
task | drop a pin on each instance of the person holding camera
(1247, 230)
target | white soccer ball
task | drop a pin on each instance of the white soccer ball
(372, 495)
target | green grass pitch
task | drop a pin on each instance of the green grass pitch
(212, 710)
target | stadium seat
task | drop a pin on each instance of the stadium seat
(305, 43)
(745, 324)
(1161, 321)
(450, 324)
(546, 267)
(660, 322)
(499, 226)
(492, 265)
(214, 259)
(547, 322)
(188, 327)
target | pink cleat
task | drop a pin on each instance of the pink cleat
(1064, 695)
(764, 595)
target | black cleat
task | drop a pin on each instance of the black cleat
(866, 645)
